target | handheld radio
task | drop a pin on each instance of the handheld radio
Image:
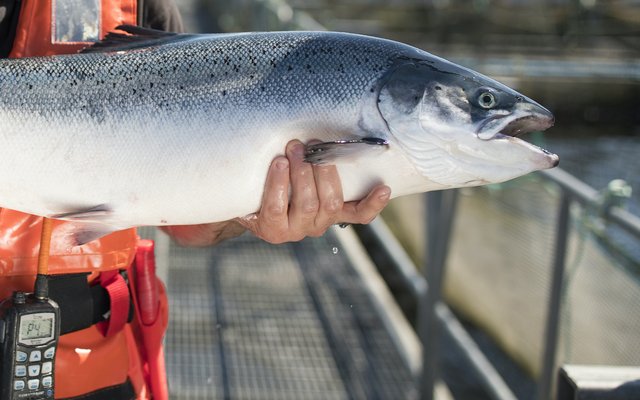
(29, 332)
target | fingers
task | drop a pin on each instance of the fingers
(272, 222)
(275, 201)
(365, 210)
(330, 197)
(315, 202)
(304, 203)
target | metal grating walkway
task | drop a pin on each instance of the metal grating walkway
(250, 320)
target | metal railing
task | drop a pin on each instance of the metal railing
(572, 190)
(434, 317)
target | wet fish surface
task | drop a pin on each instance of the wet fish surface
(154, 128)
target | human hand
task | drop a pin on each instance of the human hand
(316, 200)
(316, 203)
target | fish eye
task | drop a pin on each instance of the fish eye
(487, 100)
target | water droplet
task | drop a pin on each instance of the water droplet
(335, 250)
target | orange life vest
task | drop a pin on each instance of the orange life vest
(47, 27)
(86, 361)
(20, 242)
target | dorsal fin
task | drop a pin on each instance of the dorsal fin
(135, 37)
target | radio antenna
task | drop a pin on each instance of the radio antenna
(41, 287)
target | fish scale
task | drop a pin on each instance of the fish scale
(182, 131)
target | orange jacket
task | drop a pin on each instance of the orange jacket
(46, 27)
(20, 242)
(85, 360)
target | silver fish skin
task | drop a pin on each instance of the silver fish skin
(181, 129)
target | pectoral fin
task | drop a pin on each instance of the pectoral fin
(80, 234)
(85, 225)
(330, 152)
(98, 212)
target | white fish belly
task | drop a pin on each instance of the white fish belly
(180, 169)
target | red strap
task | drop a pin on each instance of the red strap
(118, 291)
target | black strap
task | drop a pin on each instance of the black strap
(118, 392)
(81, 305)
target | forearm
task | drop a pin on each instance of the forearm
(204, 234)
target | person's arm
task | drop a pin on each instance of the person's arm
(316, 203)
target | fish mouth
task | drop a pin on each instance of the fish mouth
(525, 118)
(527, 124)
(529, 117)
(532, 123)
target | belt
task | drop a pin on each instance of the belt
(82, 304)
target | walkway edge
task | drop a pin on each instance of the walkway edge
(401, 332)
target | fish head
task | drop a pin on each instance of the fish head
(459, 127)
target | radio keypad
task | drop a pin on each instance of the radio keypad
(47, 367)
(29, 365)
(21, 370)
(21, 356)
(49, 353)
(35, 355)
(34, 370)
(47, 381)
